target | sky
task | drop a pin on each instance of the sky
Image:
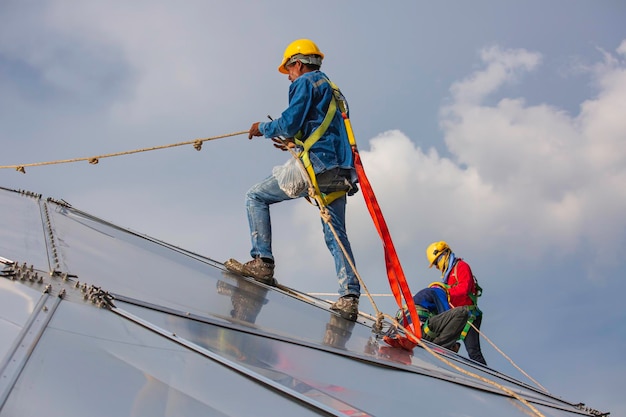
(497, 127)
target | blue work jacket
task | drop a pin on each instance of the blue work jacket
(309, 98)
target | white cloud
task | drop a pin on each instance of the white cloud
(532, 178)
(502, 66)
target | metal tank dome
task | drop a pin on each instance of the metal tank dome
(98, 320)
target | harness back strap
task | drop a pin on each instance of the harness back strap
(477, 288)
(473, 309)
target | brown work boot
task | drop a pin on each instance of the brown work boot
(258, 269)
(347, 307)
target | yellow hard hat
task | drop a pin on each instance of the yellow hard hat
(300, 47)
(434, 250)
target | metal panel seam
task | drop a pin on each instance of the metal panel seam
(25, 344)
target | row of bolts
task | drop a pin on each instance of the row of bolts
(93, 293)
(24, 272)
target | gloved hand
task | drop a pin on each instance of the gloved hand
(254, 130)
(283, 145)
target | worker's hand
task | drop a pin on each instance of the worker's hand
(283, 145)
(254, 130)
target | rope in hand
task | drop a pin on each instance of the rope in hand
(197, 144)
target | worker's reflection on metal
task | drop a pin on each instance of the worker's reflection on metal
(246, 297)
(338, 331)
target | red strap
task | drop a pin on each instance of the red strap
(397, 280)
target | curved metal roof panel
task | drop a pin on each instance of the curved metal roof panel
(99, 320)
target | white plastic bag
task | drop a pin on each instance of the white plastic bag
(291, 177)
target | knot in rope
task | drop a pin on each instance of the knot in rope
(325, 214)
(197, 144)
(378, 326)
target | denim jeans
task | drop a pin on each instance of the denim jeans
(258, 201)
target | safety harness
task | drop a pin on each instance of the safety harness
(336, 101)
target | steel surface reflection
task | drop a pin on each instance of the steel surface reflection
(17, 303)
(21, 221)
(178, 336)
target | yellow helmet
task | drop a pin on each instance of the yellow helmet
(300, 47)
(434, 250)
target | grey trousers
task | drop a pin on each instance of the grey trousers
(445, 329)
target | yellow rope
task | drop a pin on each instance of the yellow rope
(197, 144)
(506, 390)
(507, 357)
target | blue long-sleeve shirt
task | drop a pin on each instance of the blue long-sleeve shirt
(309, 97)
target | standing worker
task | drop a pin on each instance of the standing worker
(314, 125)
(463, 290)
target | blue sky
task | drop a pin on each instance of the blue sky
(498, 127)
